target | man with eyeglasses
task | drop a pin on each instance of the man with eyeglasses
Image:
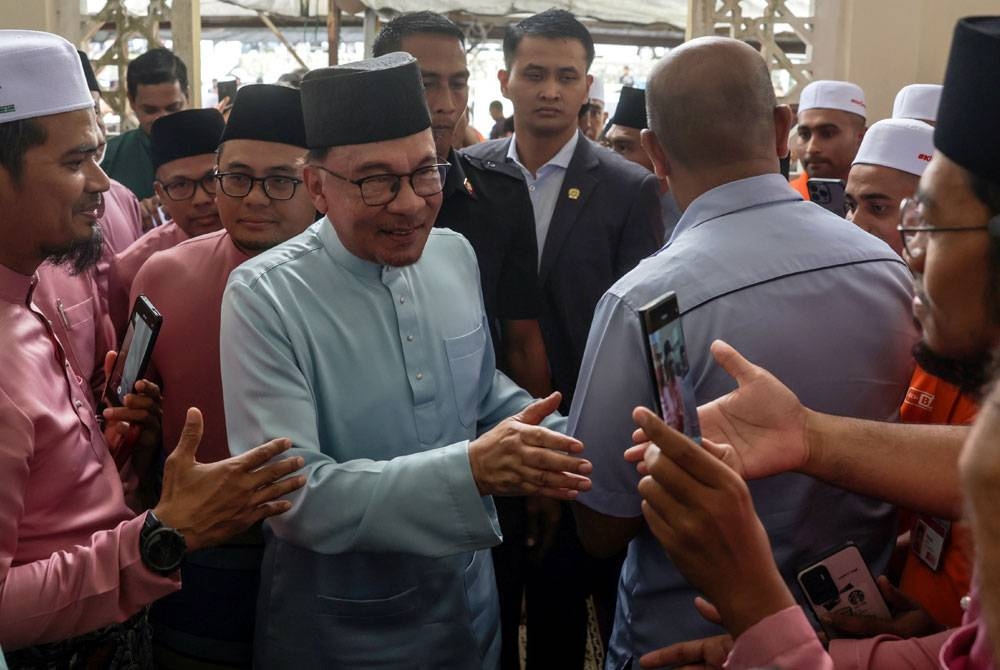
(261, 203)
(366, 337)
(183, 150)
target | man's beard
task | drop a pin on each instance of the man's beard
(79, 255)
(971, 375)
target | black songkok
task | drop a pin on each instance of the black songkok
(266, 112)
(631, 109)
(189, 133)
(968, 122)
(88, 72)
(368, 101)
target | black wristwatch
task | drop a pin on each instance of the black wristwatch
(162, 548)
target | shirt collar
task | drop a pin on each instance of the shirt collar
(734, 196)
(341, 256)
(561, 159)
(16, 287)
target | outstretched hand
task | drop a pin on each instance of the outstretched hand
(520, 457)
(702, 513)
(210, 502)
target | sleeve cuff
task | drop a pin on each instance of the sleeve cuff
(782, 639)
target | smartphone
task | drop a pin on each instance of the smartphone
(842, 583)
(227, 89)
(668, 365)
(135, 351)
(828, 193)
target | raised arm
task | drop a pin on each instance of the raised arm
(769, 431)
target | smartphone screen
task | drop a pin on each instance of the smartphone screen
(842, 583)
(227, 89)
(829, 194)
(668, 365)
(134, 353)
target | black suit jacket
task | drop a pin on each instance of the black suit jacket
(606, 220)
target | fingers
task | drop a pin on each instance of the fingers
(639, 436)
(675, 654)
(276, 470)
(707, 610)
(732, 362)
(539, 409)
(637, 453)
(853, 626)
(896, 599)
(109, 363)
(277, 489)
(258, 456)
(539, 436)
(187, 446)
(679, 449)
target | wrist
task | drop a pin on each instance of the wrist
(746, 608)
(813, 431)
(161, 546)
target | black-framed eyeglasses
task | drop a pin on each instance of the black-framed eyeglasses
(381, 189)
(239, 185)
(915, 231)
(183, 188)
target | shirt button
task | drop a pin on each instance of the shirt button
(78, 404)
(409, 338)
(532, 188)
(420, 375)
(402, 299)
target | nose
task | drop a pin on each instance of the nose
(406, 201)
(97, 180)
(257, 197)
(445, 101)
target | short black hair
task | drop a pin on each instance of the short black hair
(496, 104)
(16, 137)
(551, 24)
(156, 66)
(391, 37)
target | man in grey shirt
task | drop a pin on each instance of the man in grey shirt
(797, 289)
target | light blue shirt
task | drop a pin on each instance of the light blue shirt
(544, 185)
(802, 292)
(380, 376)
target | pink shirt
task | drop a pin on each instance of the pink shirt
(185, 284)
(73, 306)
(121, 225)
(786, 640)
(127, 264)
(69, 546)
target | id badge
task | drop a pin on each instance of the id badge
(928, 540)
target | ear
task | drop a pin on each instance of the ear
(590, 82)
(160, 193)
(661, 163)
(314, 185)
(504, 77)
(783, 121)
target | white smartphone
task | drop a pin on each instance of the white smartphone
(842, 583)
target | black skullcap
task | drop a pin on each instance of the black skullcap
(968, 122)
(88, 72)
(631, 109)
(189, 133)
(367, 101)
(266, 112)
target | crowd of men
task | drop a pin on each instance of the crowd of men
(388, 418)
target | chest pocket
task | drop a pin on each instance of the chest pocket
(465, 359)
(81, 337)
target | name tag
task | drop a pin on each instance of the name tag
(928, 539)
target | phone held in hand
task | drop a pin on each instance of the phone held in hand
(668, 365)
(841, 582)
(135, 351)
(227, 89)
(829, 194)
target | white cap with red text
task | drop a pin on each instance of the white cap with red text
(40, 74)
(830, 94)
(596, 91)
(903, 144)
(917, 101)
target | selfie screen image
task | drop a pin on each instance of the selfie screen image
(676, 396)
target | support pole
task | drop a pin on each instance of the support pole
(185, 27)
(266, 20)
(333, 21)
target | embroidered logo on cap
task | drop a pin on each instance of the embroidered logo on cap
(7, 109)
(924, 157)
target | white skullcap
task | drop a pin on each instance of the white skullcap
(917, 101)
(904, 144)
(597, 91)
(40, 74)
(829, 94)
